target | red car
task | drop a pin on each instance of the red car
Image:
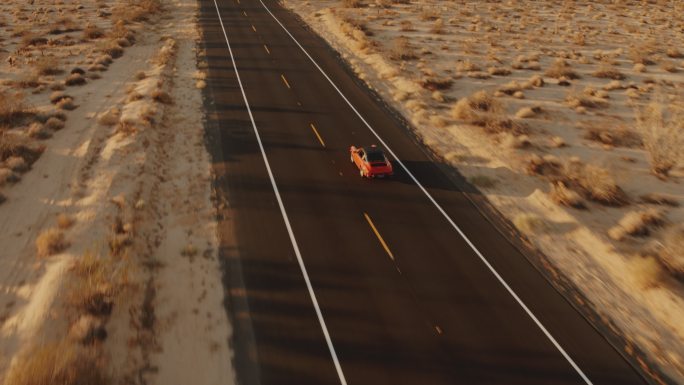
(371, 162)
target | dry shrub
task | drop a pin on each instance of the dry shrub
(619, 136)
(111, 48)
(33, 39)
(67, 104)
(498, 71)
(62, 363)
(434, 84)
(484, 110)
(38, 131)
(162, 97)
(662, 131)
(560, 68)
(467, 66)
(659, 199)
(575, 99)
(13, 110)
(607, 71)
(528, 112)
(530, 224)
(64, 221)
(669, 66)
(596, 183)
(637, 224)
(110, 117)
(92, 31)
(14, 145)
(352, 3)
(548, 165)
(50, 242)
(437, 27)
(562, 195)
(674, 53)
(47, 65)
(54, 124)
(671, 254)
(75, 79)
(166, 52)
(402, 49)
(646, 272)
(97, 281)
(137, 10)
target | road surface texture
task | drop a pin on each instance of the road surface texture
(335, 279)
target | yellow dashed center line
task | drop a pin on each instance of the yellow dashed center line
(285, 81)
(439, 330)
(244, 13)
(267, 50)
(253, 28)
(377, 234)
(317, 135)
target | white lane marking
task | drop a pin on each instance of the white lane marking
(319, 314)
(440, 209)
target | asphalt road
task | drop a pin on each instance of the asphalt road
(404, 297)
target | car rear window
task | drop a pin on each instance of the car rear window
(376, 157)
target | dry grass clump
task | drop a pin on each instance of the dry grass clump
(499, 71)
(434, 83)
(607, 71)
(97, 281)
(38, 131)
(67, 104)
(669, 66)
(12, 145)
(467, 66)
(528, 112)
(662, 131)
(637, 224)
(646, 272)
(162, 97)
(137, 10)
(530, 224)
(47, 65)
(75, 79)
(111, 48)
(50, 242)
(596, 183)
(592, 182)
(64, 221)
(561, 69)
(671, 254)
(352, 3)
(110, 117)
(576, 99)
(619, 136)
(483, 109)
(564, 196)
(659, 199)
(62, 363)
(92, 31)
(402, 50)
(13, 110)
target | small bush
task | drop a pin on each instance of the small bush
(47, 65)
(560, 68)
(402, 49)
(162, 97)
(659, 199)
(62, 363)
(609, 72)
(64, 221)
(110, 117)
(662, 131)
(75, 79)
(530, 224)
(50, 242)
(562, 195)
(637, 224)
(91, 31)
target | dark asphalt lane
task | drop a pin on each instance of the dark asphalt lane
(432, 314)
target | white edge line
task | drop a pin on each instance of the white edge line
(319, 314)
(440, 209)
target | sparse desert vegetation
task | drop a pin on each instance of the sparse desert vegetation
(86, 173)
(572, 110)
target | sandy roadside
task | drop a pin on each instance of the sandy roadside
(131, 288)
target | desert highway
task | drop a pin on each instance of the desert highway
(334, 279)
